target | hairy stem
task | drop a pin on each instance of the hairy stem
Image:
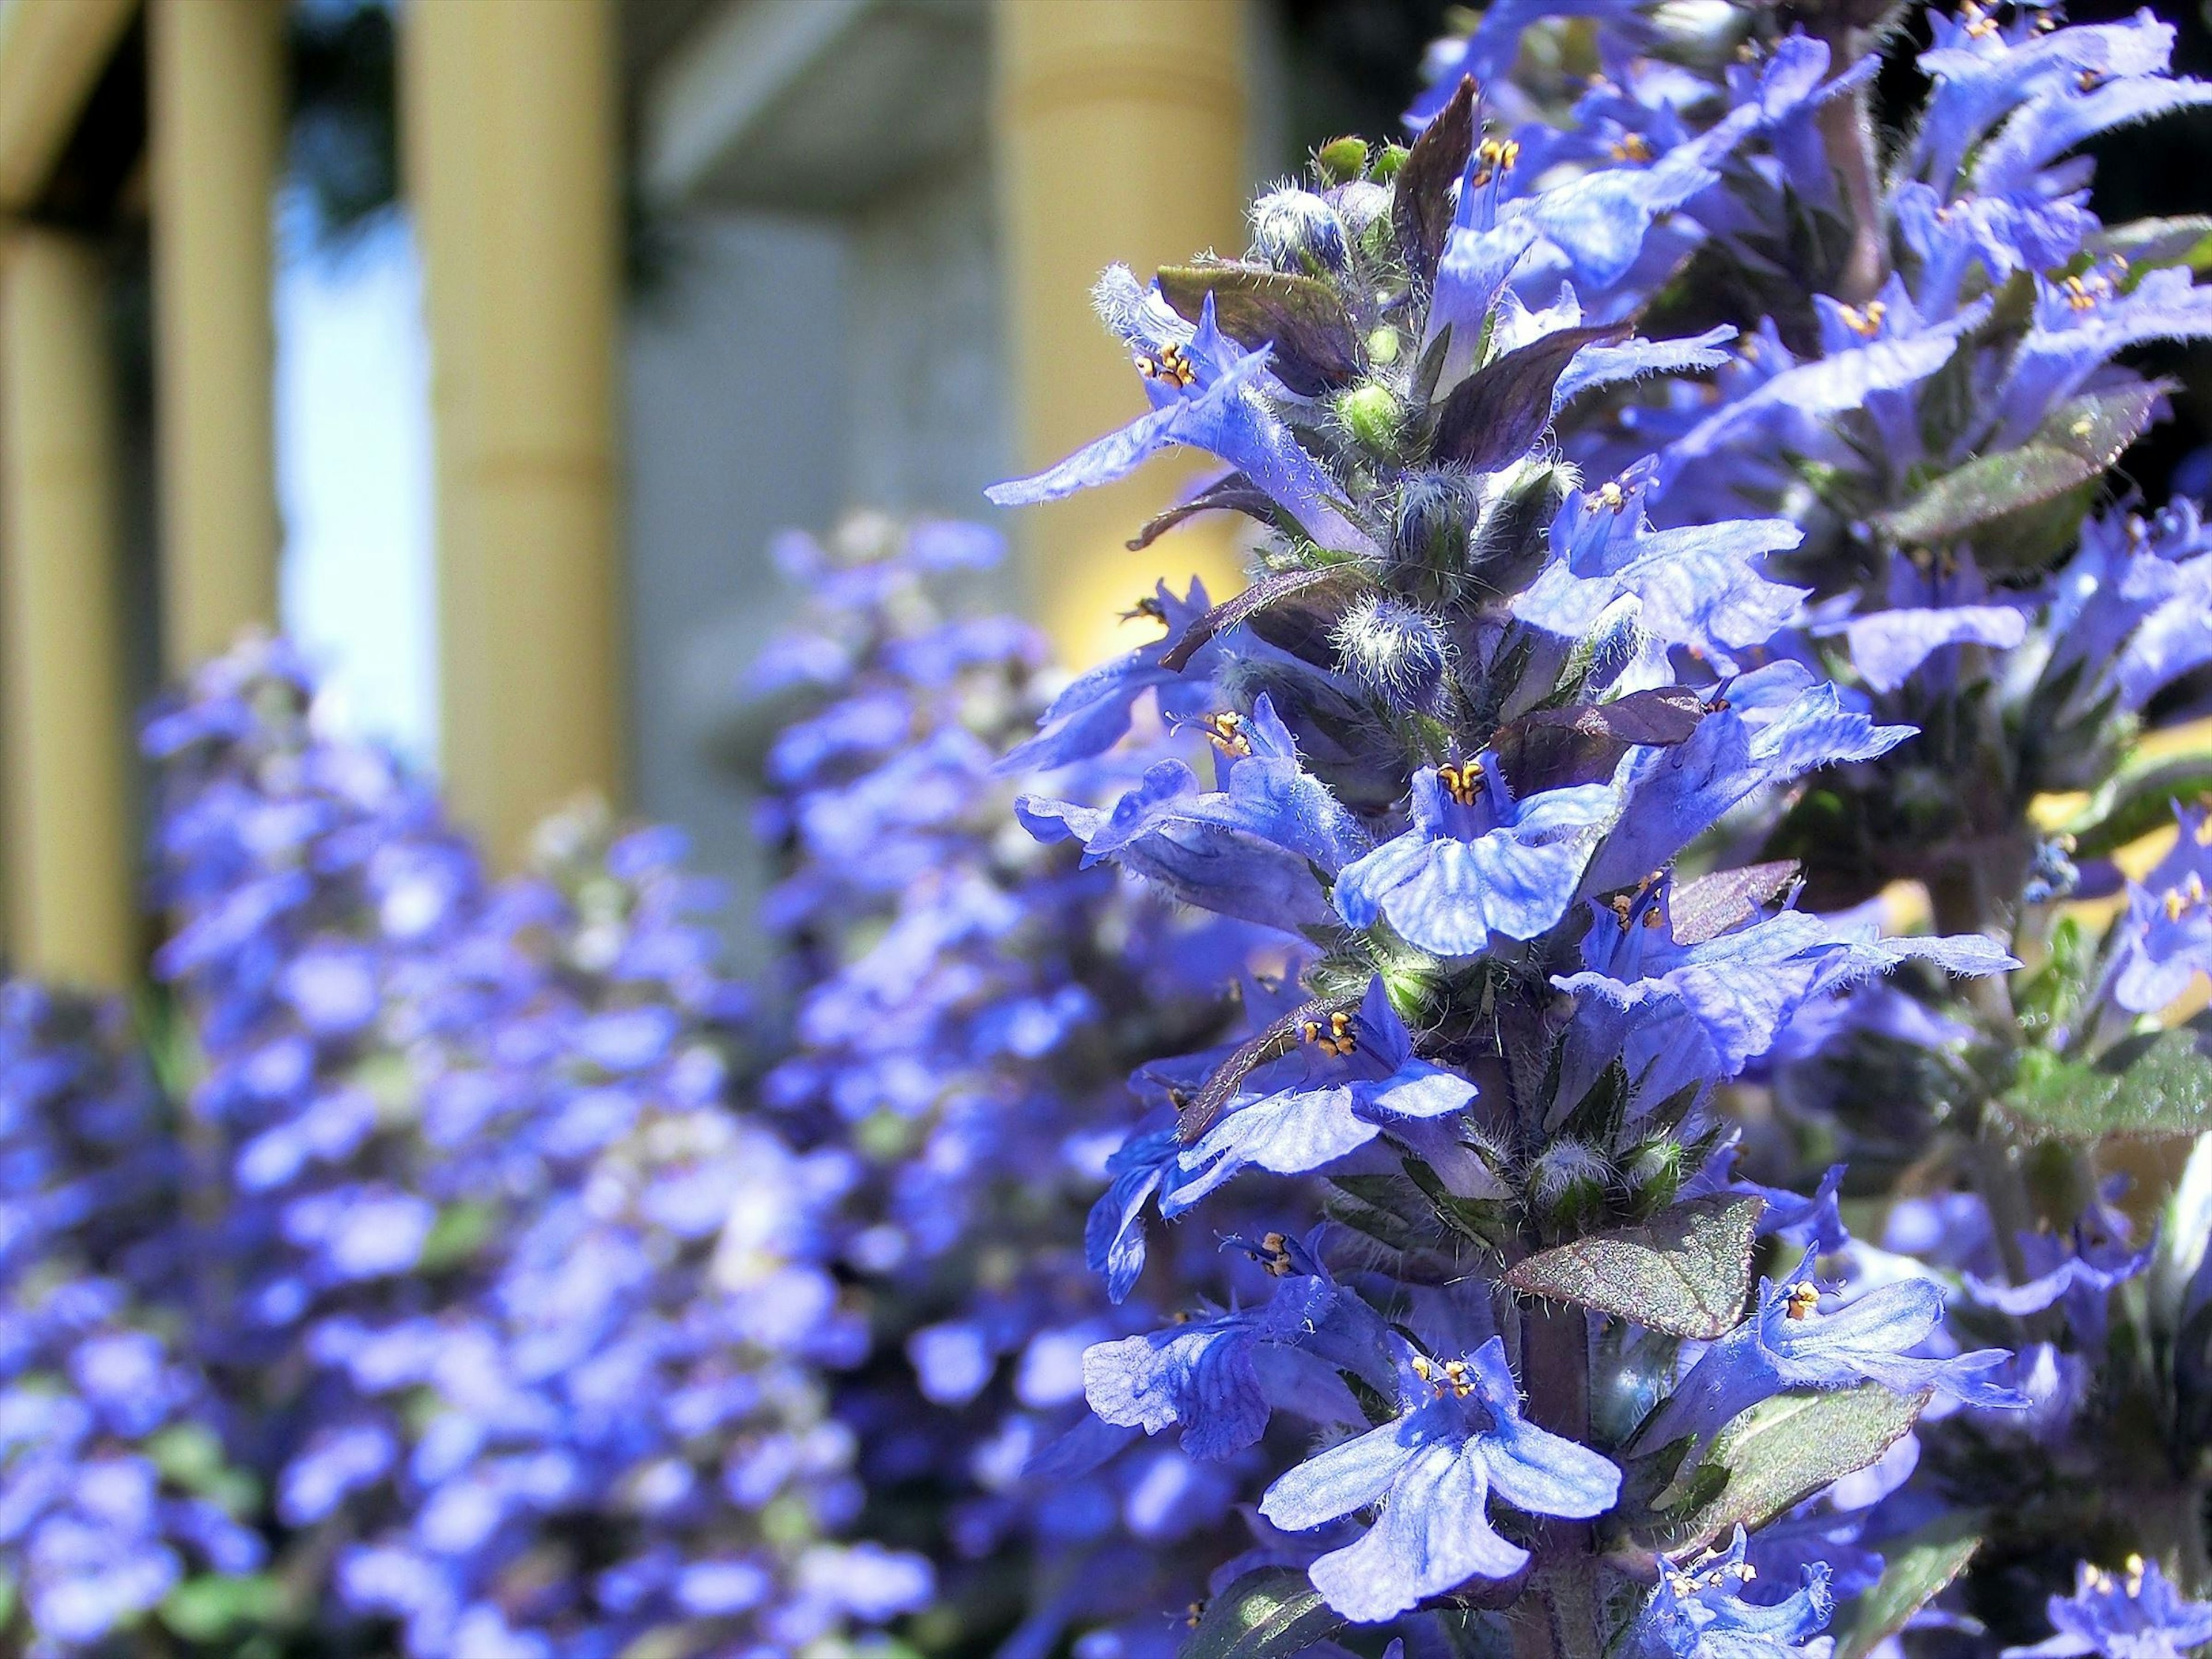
(1555, 1360)
(1847, 130)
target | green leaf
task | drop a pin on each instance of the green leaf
(1270, 1614)
(1685, 1273)
(1779, 1455)
(2078, 441)
(1497, 412)
(1421, 185)
(1915, 1569)
(211, 1606)
(2147, 244)
(2136, 799)
(1316, 346)
(459, 1231)
(2157, 1084)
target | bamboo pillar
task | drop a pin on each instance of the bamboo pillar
(509, 121)
(1120, 125)
(216, 74)
(67, 843)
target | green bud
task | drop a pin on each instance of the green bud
(1341, 160)
(1386, 165)
(1567, 1186)
(1382, 346)
(1655, 1172)
(1416, 990)
(1372, 413)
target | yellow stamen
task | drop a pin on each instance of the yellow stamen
(1631, 146)
(1171, 366)
(1804, 1299)
(1228, 734)
(1462, 783)
(1867, 322)
(1611, 494)
(1276, 1256)
(1495, 155)
(2184, 896)
(1337, 1040)
(2083, 293)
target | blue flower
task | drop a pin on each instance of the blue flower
(1476, 862)
(1350, 1077)
(1091, 713)
(1458, 1439)
(1207, 392)
(2138, 1614)
(1698, 1612)
(1697, 586)
(1932, 604)
(1213, 1377)
(1763, 728)
(2164, 941)
(1788, 1342)
(1714, 1006)
(1250, 850)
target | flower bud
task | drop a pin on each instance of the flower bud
(1341, 160)
(1372, 413)
(1296, 230)
(1361, 206)
(1395, 652)
(1655, 1172)
(1430, 523)
(1567, 1185)
(1509, 542)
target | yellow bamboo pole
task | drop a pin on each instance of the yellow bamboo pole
(508, 123)
(216, 73)
(52, 53)
(1120, 126)
(65, 748)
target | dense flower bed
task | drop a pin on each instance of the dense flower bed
(1412, 1113)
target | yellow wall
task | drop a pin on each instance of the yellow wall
(511, 148)
(1121, 128)
(216, 90)
(68, 858)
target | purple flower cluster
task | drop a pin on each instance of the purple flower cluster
(1572, 795)
(965, 1003)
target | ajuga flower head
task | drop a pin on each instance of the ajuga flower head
(1473, 708)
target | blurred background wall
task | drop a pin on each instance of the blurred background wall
(483, 344)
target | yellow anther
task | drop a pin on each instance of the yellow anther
(1868, 323)
(1462, 783)
(1493, 156)
(2089, 80)
(1275, 1256)
(1193, 1614)
(1337, 1040)
(1804, 1299)
(1610, 494)
(1171, 366)
(2184, 896)
(1422, 1369)
(2083, 293)
(1228, 733)
(2134, 1568)
(1980, 24)
(1631, 146)
(2203, 832)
